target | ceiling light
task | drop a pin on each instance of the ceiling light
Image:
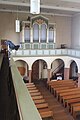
(17, 22)
(35, 6)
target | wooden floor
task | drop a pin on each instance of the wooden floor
(60, 113)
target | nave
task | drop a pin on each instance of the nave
(59, 112)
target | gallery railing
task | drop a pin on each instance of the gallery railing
(47, 52)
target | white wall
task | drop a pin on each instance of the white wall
(7, 27)
(76, 31)
(63, 31)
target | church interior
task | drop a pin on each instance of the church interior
(40, 60)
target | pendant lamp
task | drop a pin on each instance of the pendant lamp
(17, 22)
(35, 6)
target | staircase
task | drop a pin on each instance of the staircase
(59, 69)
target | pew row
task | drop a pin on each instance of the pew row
(39, 101)
(68, 93)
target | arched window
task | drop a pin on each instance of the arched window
(27, 34)
(43, 33)
(51, 34)
(35, 33)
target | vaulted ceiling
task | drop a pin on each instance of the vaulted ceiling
(49, 7)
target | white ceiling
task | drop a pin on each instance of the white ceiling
(57, 7)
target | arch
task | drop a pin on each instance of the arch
(20, 59)
(22, 67)
(51, 34)
(30, 61)
(39, 19)
(39, 70)
(73, 72)
(27, 33)
(35, 32)
(36, 59)
(57, 69)
(69, 61)
(43, 33)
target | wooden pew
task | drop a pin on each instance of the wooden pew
(29, 86)
(62, 88)
(33, 91)
(55, 86)
(35, 94)
(32, 88)
(68, 94)
(39, 101)
(76, 110)
(37, 97)
(58, 81)
(65, 98)
(72, 107)
(42, 105)
(29, 83)
(51, 83)
(60, 91)
(72, 101)
(45, 113)
(62, 85)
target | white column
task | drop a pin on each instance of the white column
(39, 33)
(54, 35)
(47, 35)
(31, 33)
(23, 27)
